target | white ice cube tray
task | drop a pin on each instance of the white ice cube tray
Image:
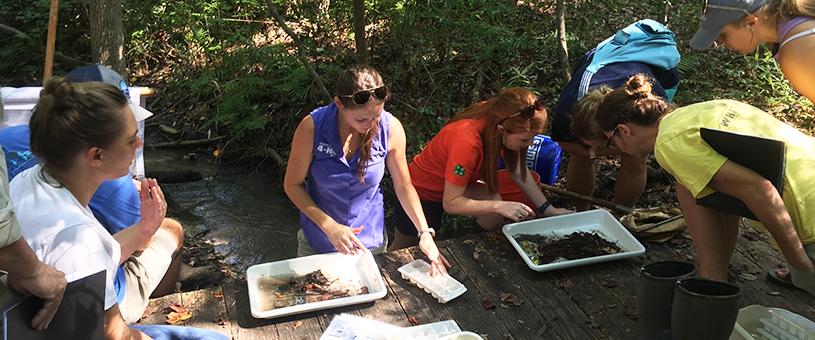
(429, 331)
(442, 287)
(778, 328)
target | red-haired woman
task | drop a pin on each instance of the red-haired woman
(457, 171)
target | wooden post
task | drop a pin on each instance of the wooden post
(52, 37)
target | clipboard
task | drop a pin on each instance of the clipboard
(765, 156)
(80, 314)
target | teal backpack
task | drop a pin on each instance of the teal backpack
(645, 41)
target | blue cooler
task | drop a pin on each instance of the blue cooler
(543, 157)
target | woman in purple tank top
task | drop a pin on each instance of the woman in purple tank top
(787, 26)
(343, 150)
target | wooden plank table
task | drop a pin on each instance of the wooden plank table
(591, 302)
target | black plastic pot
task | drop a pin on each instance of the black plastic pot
(657, 284)
(704, 309)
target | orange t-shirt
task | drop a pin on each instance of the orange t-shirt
(453, 155)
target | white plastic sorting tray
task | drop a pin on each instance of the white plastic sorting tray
(442, 287)
(599, 222)
(358, 267)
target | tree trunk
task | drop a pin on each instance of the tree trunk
(301, 51)
(359, 31)
(107, 34)
(563, 52)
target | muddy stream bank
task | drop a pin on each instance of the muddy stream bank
(234, 215)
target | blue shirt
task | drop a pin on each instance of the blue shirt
(334, 187)
(612, 75)
(115, 204)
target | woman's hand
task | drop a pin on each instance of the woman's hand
(515, 211)
(153, 206)
(437, 261)
(552, 211)
(344, 238)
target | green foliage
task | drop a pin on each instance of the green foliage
(31, 18)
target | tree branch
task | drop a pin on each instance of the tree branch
(300, 50)
(36, 48)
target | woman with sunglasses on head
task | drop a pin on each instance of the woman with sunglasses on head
(786, 26)
(457, 171)
(639, 122)
(352, 141)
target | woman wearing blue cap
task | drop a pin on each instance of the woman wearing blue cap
(788, 26)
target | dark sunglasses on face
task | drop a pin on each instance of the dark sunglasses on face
(528, 112)
(362, 97)
(611, 138)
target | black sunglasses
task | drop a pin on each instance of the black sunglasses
(611, 138)
(528, 112)
(362, 97)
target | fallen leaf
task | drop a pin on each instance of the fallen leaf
(609, 283)
(217, 295)
(595, 308)
(149, 311)
(774, 293)
(631, 309)
(593, 322)
(747, 277)
(504, 306)
(504, 296)
(177, 307)
(298, 324)
(468, 242)
(280, 295)
(475, 255)
(487, 304)
(175, 318)
(492, 274)
(369, 316)
(564, 283)
(414, 321)
(221, 321)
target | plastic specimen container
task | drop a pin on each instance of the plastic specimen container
(599, 222)
(442, 287)
(361, 268)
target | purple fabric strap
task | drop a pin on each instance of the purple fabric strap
(785, 25)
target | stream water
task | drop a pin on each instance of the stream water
(240, 207)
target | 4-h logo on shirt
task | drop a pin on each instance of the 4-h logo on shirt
(459, 170)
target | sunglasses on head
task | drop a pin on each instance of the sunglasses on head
(362, 97)
(528, 112)
(610, 143)
(704, 10)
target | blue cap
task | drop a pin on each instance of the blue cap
(716, 15)
(102, 73)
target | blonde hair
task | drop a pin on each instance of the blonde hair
(584, 125)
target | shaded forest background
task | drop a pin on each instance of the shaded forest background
(226, 68)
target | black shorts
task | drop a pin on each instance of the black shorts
(432, 212)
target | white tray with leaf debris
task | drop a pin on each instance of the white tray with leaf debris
(311, 283)
(594, 222)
